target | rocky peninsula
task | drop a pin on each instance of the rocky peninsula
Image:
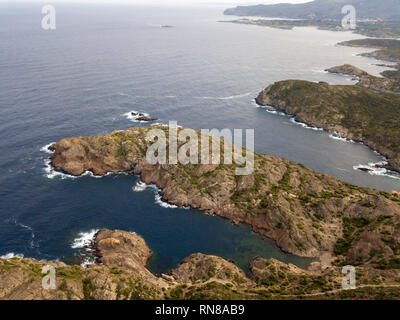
(388, 83)
(306, 213)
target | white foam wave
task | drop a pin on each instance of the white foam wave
(279, 113)
(84, 239)
(52, 174)
(374, 169)
(159, 201)
(336, 136)
(269, 109)
(140, 186)
(304, 125)
(11, 255)
(135, 115)
(46, 148)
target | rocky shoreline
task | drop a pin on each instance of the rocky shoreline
(120, 273)
(304, 212)
(294, 97)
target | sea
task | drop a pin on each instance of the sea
(104, 61)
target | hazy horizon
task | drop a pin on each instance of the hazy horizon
(160, 2)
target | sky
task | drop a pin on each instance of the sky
(164, 2)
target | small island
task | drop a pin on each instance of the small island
(120, 273)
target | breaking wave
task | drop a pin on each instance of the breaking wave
(273, 110)
(159, 201)
(84, 239)
(51, 173)
(135, 115)
(141, 186)
(11, 255)
(46, 148)
(83, 242)
(336, 136)
(375, 169)
(304, 125)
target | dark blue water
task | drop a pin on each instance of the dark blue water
(103, 61)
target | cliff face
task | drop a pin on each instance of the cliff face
(306, 213)
(120, 273)
(354, 112)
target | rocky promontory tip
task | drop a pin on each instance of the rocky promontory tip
(347, 69)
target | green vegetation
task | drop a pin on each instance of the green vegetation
(381, 29)
(368, 116)
(389, 48)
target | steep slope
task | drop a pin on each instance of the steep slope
(120, 273)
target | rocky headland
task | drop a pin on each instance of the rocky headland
(389, 83)
(306, 213)
(351, 111)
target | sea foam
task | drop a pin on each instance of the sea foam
(11, 255)
(141, 186)
(336, 136)
(46, 148)
(374, 169)
(134, 117)
(83, 241)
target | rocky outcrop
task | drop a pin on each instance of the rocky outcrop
(348, 69)
(391, 85)
(142, 117)
(303, 211)
(120, 273)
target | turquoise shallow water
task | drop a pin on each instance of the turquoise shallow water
(103, 61)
